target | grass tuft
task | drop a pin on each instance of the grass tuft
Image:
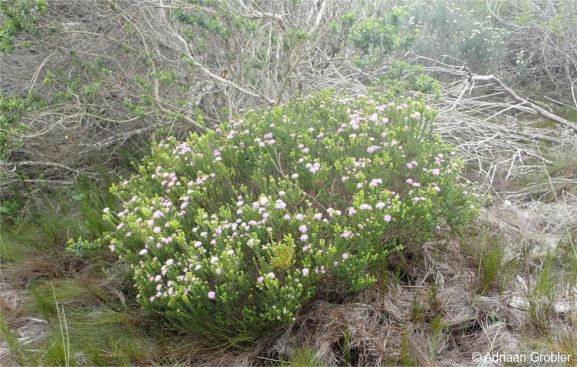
(302, 357)
(542, 297)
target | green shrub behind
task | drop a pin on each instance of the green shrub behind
(229, 233)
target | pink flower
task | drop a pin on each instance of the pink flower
(156, 230)
(303, 228)
(372, 149)
(345, 256)
(435, 171)
(280, 204)
(305, 272)
(211, 295)
(387, 218)
(375, 182)
(143, 252)
(315, 167)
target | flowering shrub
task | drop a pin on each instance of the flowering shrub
(230, 232)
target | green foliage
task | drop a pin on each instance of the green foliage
(166, 77)
(11, 111)
(231, 232)
(80, 247)
(382, 34)
(343, 24)
(208, 21)
(295, 37)
(461, 30)
(402, 77)
(379, 36)
(18, 16)
(8, 208)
